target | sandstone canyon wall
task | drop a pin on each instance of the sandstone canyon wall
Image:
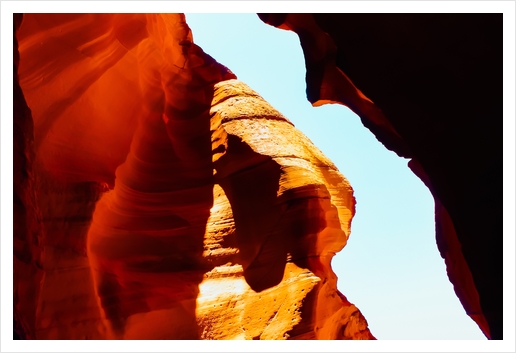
(429, 86)
(158, 197)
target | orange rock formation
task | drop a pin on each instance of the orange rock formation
(172, 201)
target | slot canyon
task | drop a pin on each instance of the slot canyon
(156, 196)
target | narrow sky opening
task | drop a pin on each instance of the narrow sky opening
(391, 268)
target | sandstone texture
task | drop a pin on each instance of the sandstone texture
(161, 198)
(429, 86)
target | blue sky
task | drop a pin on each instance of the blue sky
(391, 268)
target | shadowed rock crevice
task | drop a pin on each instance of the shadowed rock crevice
(252, 194)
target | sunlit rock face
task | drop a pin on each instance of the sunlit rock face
(429, 87)
(175, 202)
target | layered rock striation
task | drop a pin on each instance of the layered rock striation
(175, 202)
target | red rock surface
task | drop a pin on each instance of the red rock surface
(162, 198)
(429, 86)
